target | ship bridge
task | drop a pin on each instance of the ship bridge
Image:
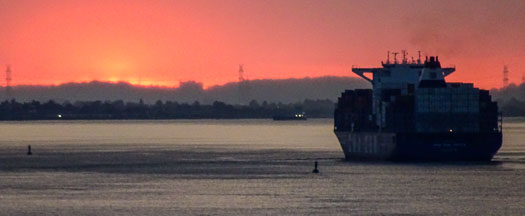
(396, 74)
(408, 73)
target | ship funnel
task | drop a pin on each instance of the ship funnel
(432, 75)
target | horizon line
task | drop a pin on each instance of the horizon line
(168, 86)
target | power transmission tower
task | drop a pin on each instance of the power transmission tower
(241, 83)
(505, 76)
(8, 82)
(244, 87)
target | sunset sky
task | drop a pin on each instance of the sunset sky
(155, 42)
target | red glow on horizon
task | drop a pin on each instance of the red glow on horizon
(161, 43)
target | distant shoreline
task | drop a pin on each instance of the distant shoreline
(119, 110)
(211, 119)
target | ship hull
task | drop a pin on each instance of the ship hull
(419, 146)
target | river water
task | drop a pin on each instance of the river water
(237, 167)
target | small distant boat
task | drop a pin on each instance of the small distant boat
(297, 116)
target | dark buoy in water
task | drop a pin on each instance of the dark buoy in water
(29, 150)
(315, 168)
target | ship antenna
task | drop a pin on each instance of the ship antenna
(419, 56)
(404, 52)
(388, 57)
(395, 57)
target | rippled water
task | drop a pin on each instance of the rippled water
(237, 167)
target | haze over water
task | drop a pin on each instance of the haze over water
(237, 167)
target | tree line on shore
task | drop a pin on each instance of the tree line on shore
(51, 110)
(512, 107)
(118, 109)
(511, 99)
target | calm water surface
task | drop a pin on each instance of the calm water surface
(237, 167)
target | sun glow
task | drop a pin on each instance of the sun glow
(162, 42)
(119, 67)
(113, 79)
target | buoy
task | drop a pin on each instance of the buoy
(315, 168)
(29, 150)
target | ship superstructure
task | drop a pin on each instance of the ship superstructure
(411, 112)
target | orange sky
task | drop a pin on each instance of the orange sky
(164, 42)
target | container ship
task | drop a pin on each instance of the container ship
(412, 113)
